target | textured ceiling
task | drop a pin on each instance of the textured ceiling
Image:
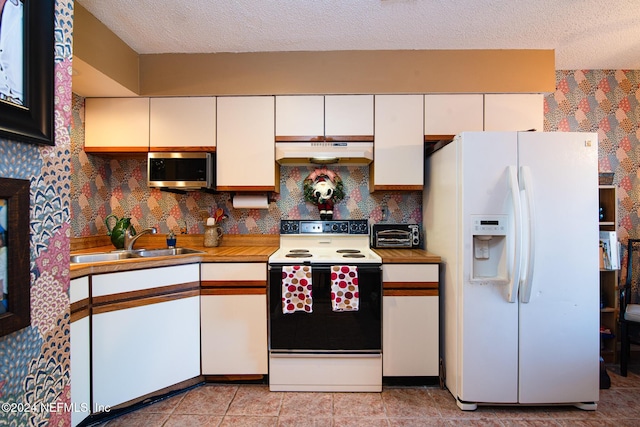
(585, 34)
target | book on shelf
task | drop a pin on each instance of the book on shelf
(609, 250)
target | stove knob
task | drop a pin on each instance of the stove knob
(334, 226)
(289, 227)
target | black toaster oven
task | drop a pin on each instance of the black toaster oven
(403, 236)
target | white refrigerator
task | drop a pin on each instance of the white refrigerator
(514, 216)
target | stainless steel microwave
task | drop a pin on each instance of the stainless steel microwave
(183, 171)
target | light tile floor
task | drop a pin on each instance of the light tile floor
(254, 405)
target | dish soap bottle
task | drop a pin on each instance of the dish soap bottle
(171, 240)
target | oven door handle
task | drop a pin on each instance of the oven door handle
(325, 354)
(364, 268)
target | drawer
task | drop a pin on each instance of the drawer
(410, 272)
(136, 280)
(79, 289)
(233, 271)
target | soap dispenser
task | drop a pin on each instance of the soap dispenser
(171, 240)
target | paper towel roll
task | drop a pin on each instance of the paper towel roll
(251, 202)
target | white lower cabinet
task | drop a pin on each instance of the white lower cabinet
(80, 355)
(234, 319)
(410, 336)
(143, 342)
(234, 334)
(410, 320)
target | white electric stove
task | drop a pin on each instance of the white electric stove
(321, 349)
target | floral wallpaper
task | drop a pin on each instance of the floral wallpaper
(34, 361)
(122, 184)
(606, 102)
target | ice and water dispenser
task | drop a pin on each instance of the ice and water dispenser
(489, 248)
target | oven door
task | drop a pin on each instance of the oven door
(324, 330)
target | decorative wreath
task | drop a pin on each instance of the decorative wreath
(312, 184)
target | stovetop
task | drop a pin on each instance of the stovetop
(326, 242)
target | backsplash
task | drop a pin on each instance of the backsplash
(602, 101)
(101, 186)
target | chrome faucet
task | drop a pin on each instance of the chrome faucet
(130, 239)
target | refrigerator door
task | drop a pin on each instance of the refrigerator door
(559, 313)
(487, 335)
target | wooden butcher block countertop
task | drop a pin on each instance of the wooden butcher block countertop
(407, 256)
(234, 248)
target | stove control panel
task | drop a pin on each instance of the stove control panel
(352, 226)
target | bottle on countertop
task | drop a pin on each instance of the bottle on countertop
(171, 240)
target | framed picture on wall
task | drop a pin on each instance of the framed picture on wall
(15, 304)
(26, 70)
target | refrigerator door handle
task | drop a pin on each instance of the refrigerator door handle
(527, 187)
(514, 279)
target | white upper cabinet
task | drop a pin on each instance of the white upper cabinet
(314, 117)
(399, 143)
(450, 114)
(348, 116)
(182, 124)
(299, 118)
(513, 112)
(118, 125)
(245, 145)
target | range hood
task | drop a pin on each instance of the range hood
(303, 153)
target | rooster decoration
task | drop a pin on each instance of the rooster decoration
(323, 188)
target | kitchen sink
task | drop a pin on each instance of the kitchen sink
(137, 253)
(145, 253)
(100, 256)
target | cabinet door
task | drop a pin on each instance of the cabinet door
(80, 356)
(143, 349)
(116, 125)
(399, 143)
(513, 112)
(446, 114)
(143, 342)
(240, 322)
(348, 115)
(245, 150)
(410, 336)
(182, 124)
(299, 118)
